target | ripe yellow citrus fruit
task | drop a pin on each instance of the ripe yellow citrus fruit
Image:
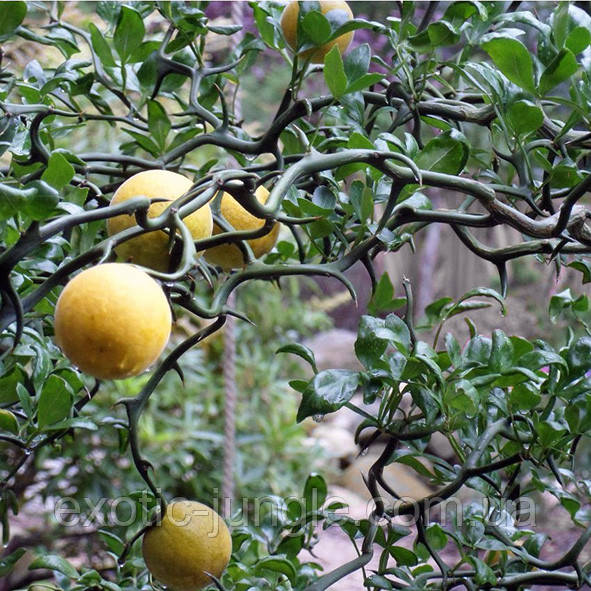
(289, 26)
(112, 321)
(151, 249)
(229, 256)
(190, 541)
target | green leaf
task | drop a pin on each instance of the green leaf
(436, 537)
(158, 123)
(55, 401)
(329, 390)
(54, 562)
(41, 200)
(524, 397)
(464, 397)
(144, 142)
(447, 153)
(301, 351)
(383, 299)
(334, 72)
(562, 67)
(276, 564)
(524, 116)
(114, 542)
(484, 574)
(501, 354)
(363, 82)
(512, 58)
(378, 582)
(8, 421)
(584, 267)
(59, 171)
(403, 556)
(266, 29)
(578, 356)
(11, 17)
(372, 340)
(101, 47)
(356, 62)
(315, 27)
(315, 491)
(560, 23)
(559, 302)
(442, 33)
(129, 32)
(578, 39)
(224, 29)
(539, 358)
(412, 461)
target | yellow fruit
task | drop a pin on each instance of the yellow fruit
(112, 321)
(289, 26)
(151, 249)
(229, 256)
(191, 541)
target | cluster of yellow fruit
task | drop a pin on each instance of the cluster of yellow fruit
(113, 320)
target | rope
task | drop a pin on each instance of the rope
(229, 374)
(229, 364)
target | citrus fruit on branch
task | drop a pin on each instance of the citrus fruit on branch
(152, 248)
(191, 541)
(229, 256)
(112, 321)
(334, 10)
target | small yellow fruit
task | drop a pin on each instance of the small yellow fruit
(191, 541)
(289, 26)
(229, 256)
(151, 249)
(112, 321)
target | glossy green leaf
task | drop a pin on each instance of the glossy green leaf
(41, 199)
(356, 62)
(329, 390)
(562, 67)
(276, 564)
(578, 39)
(403, 556)
(59, 171)
(8, 421)
(158, 123)
(316, 27)
(442, 33)
(501, 354)
(56, 563)
(578, 356)
(364, 81)
(315, 491)
(55, 402)
(301, 351)
(524, 397)
(11, 17)
(100, 46)
(129, 32)
(436, 537)
(447, 153)
(512, 58)
(334, 72)
(524, 116)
